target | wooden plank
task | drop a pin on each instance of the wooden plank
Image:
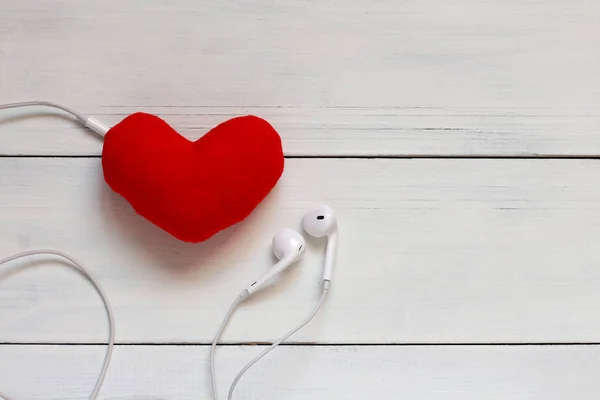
(431, 251)
(335, 78)
(355, 372)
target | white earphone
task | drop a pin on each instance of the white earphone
(288, 247)
(319, 222)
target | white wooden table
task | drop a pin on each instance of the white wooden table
(458, 142)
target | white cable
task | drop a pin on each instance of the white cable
(99, 290)
(81, 117)
(86, 120)
(5, 397)
(279, 341)
(213, 347)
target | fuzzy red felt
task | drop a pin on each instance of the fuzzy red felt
(192, 190)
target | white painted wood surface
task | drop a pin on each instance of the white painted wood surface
(309, 373)
(335, 77)
(430, 251)
(433, 251)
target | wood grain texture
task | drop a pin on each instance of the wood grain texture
(303, 373)
(431, 251)
(335, 78)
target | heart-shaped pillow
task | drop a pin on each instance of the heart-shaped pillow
(192, 190)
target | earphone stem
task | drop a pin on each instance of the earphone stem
(274, 270)
(332, 243)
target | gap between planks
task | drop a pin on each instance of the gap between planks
(304, 344)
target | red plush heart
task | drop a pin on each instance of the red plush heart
(192, 189)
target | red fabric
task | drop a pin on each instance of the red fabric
(192, 189)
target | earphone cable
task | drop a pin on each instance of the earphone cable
(213, 347)
(81, 117)
(5, 396)
(109, 311)
(279, 341)
(86, 120)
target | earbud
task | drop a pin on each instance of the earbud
(318, 222)
(288, 247)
